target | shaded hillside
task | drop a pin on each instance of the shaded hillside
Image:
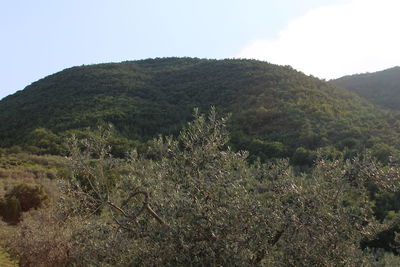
(276, 111)
(381, 88)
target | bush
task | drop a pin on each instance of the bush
(30, 196)
(11, 210)
(42, 240)
(303, 157)
(1, 206)
(21, 198)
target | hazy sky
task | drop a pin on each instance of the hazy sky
(333, 41)
(325, 38)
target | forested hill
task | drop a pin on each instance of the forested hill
(276, 111)
(381, 88)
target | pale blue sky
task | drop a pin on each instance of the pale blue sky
(41, 37)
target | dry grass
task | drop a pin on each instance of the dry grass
(5, 259)
(25, 168)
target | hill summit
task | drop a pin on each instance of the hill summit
(276, 110)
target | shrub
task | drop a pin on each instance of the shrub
(2, 203)
(21, 198)
(11, 210)
(42, 240)
(303, 157)
(30, 196)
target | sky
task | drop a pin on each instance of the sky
(323, 38)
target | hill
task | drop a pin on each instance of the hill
(381, 88)
(276, 110)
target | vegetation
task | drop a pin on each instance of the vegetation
(191, 200)
(23, 182)
(276, 111)
(21, 198)
(27, 184)
(320, 185)
(381, 88)
(5, 260)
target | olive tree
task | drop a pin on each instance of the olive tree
(191, 200)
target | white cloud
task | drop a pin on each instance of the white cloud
(332, 41)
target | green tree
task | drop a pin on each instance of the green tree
(44, 141)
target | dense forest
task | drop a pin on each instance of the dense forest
(381, 88)
(195, 162)
(276, 111)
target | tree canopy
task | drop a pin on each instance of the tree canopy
(381, 88)
(276, 111)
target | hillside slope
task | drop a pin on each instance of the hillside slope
(276, 111)
(381, 88)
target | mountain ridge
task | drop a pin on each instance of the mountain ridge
(381, 87)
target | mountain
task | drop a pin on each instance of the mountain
(381, 88)
(276, 110)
